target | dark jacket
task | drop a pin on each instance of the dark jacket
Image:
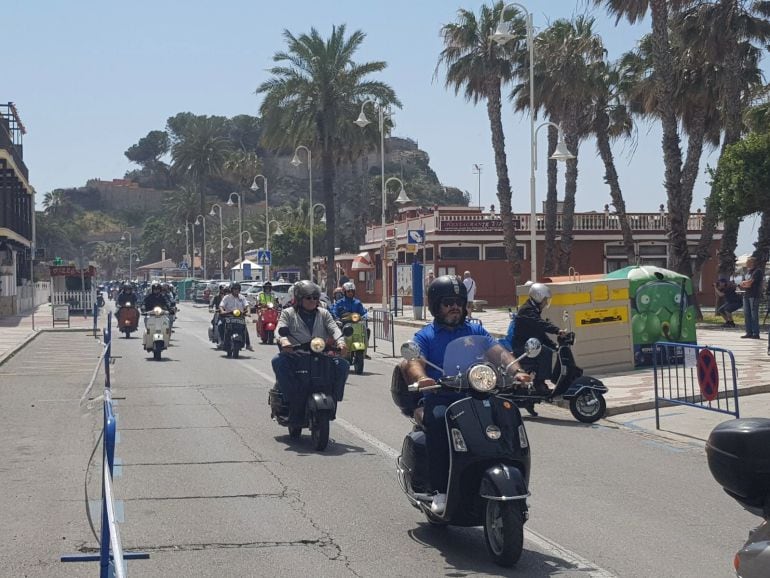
(529, 323)
(124, 298)
(153, 300)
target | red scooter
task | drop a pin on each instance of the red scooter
(267, 320)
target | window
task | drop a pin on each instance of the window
(459, 253)
(653, 250)
(497, 252)
(615, 257)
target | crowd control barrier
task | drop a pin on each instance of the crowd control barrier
(384, 330)
(111, 557)
(695, 375)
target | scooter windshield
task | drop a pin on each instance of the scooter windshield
(461, 353)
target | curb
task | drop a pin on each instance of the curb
(19, 346)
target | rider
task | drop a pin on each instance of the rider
(529, 323)
(230, 303)
(349, 303)
(155, 298)
(338, 294)
(265, 296)
(126, 295)
(447, 301)
(306, 321)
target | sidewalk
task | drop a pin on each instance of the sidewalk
(16, 331)
(633, 390)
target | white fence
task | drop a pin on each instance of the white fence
(77, 300)
(24, 296)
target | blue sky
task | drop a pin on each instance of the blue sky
(91, 77)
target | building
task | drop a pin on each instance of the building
(17, 205)
(457, 239)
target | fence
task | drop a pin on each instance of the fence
(111, 556)
(384, 330)
(696, 376)
(77, 300)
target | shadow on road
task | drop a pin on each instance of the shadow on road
(304, 446)
(554, 421)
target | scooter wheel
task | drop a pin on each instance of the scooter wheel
(504, 531)
(270, 337)
(358, 362)
(236, 352)
(295, 432)
(588, 406)
(320, 431)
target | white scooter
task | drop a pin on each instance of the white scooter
(158, 331)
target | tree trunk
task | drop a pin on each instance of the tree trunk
(503, 183)
(762, 245)
(551, 202)
(727, 250)
(327, 185)
(601, 128)
(570, 188)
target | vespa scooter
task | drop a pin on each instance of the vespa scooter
(157, 333)
(356, 342)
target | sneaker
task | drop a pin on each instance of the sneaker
(439, 504)
(542, 389)
(747, 336)
(250, 348)
(754, 337)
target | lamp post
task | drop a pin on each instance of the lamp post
(221, 246)
(240, 220)
(312, 224)
(201, 220)
(296, 162)
(477, 171)
(255, 188)
(186, 246)
(130, 248)
(502, 35)
(401, 199)
(362, 121)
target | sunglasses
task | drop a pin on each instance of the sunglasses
(449, 301)
(314, 297)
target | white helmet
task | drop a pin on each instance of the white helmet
(349, 286)
(540, 294)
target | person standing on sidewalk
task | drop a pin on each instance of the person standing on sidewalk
(725, 289)
(470, 287)
(752, 286)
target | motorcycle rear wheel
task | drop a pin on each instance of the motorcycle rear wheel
(319, 431)
(295, 432)
(586, 412)
(504, 531)
(358, 362)
(156, 351)
(128, 333)
(236, 352)
(270, 337)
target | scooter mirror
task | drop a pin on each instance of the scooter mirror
(532, 347)
(410, 350)
(284, 331)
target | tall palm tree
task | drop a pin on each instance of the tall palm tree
(201, 152)
(109, 256)
(479, 67)
(57, 203)
(309, 100)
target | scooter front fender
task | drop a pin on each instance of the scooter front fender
(320, 402)
(584, 382)
(503, 483)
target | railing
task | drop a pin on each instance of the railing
(77, 300)
(695, 376)
(111, 557)
(384, 329)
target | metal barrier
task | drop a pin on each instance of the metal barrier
(695, 376)
(111, 557)
(384, 328)
(96, 319)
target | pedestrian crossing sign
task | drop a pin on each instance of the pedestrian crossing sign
(264, 257)
(415, 236)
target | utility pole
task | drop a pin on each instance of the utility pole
(477, 171)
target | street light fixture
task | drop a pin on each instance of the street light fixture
(401, 199)
(504, 33)
(312, 224)
(240, 219)
(296, 162)
(130, 248)
(255, 188)
(201, 220)
(221, 247)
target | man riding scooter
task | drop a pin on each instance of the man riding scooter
(447, 301)
(232, 302)
(267, 313)
(128, 313)
(350, 304)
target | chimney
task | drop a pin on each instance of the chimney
(162, 254)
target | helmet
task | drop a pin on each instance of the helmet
(305, 288)
(445, 286)
(127, 286)
(235, 286)
(154, 286)
(540, 295)
(338, 293)
(349, 286)
(267, 285)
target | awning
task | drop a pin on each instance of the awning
(362, 261)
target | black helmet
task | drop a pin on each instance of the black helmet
(305, 288)
(267, 284)
(445, 286)
(235, 286)
(154, 285)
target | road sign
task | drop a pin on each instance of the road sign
(708, 375)
(183, 266)
(392, 255)
(264, 257)
(411, 248)
(415, 236)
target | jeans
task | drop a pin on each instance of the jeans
(287, 382)
(436, 438)
(751, 312)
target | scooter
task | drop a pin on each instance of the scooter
(158, 332)
(99, 299)
(318, 394)
(738, 453)
(128, 319)
(267, 320)
(234, 333)
(489, 462)
(357, 341)
(584, 393)
(213, 327)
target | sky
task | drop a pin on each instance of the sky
(90, 78)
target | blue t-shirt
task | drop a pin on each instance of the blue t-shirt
(346, 305)
(433, 340)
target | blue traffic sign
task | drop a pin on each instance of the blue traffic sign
(183, 266)
(264, 257)
(415, 236)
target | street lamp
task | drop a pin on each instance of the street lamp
(312, 223)
(221, 247)
(362, 121)
(186, 246)
(503, 34)
(201, 220)
(240, 219)
(130, 248)
(255, 188)
(296, 162)
(401, 199)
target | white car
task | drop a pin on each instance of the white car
(280, 290)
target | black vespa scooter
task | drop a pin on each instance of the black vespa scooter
(319, 395)
(234, 333)
(489, 450)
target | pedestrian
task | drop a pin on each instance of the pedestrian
(726, 289)
(752, 287)
(343, 277)
(470, 286)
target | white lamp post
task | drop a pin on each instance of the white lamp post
(296, 162)
(221, 246)
(201, 220)
(240, 220)
(255, 188)
(312, 223)
(401, 199)
(130, 248)
(502, 35)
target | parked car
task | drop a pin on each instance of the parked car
(203, 291)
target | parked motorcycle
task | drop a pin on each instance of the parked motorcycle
(128, 319)
(356, 342)
(267, 320)
(489, 462)
(157, 333)
(318, 394)
(584, 393)
(100, 299)
(233, 333)
(738, 453)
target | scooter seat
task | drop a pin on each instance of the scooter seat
(419, 416)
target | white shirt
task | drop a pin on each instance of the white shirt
(230, 303)
(470, 285)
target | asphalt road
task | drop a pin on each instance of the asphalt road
(212, 487)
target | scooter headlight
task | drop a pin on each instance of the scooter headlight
(317, 345)
(128, 304)
(270, 305)
(157, 311)
(482, 378)
(237, 313)
(355, 318)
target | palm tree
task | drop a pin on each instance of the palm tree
(57, 203)
(109, 256)
(310, 99)
(201, 152)
(479, 67)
